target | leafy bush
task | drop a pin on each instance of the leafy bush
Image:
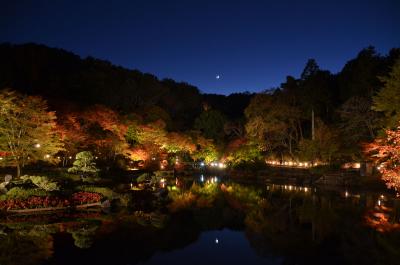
(143, 177)
(21, 193)
(42, 182)
(125, 199)
(84, 164)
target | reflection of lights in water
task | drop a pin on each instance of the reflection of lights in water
(202, 178)
(216, 241)
(379, 203)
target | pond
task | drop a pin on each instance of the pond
(215, 222)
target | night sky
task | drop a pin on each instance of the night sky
(251, 45)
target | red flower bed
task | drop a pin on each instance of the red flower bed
(33, 202)
(50, 201)
(84, 197)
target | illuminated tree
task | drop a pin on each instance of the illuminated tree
(72, 135)
(388, 98)
(323, 148)
(272, 124)
(240, 150)
(205, 149)
(27, 130)
(84, 163)
(359, 121)
(106, 131)
(178, 142)
(386, 152)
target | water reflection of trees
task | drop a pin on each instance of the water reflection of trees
(312, 228)
(30, 245)
(303, 226)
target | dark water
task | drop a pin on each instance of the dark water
(214, 223)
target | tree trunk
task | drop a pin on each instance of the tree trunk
(18, 170)
(312, 125)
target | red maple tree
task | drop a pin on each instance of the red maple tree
(386, 152)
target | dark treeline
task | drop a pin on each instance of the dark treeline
(62, 76)
(318, 116)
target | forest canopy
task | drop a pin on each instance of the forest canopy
(122, 114)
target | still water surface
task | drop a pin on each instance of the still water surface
(214, 223)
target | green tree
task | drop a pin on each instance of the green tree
(211, 124)
(323, 148)
(205, 149)
(27, 130)
(359, 122)
(273, 124)
(84, 163)
(388, 98)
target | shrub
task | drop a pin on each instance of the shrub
(106, 192)
(143, 177)
(84, 164)
(21, 193)
(42, 182)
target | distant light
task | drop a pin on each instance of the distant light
(216, 241)
(346, 194)
(379, 202)
(202, 164)
(70, 157)
(357, 165)
(202, 178)
(217, 77)
(1, 158)
(47, 156)
(37, 145)
(305, 189)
